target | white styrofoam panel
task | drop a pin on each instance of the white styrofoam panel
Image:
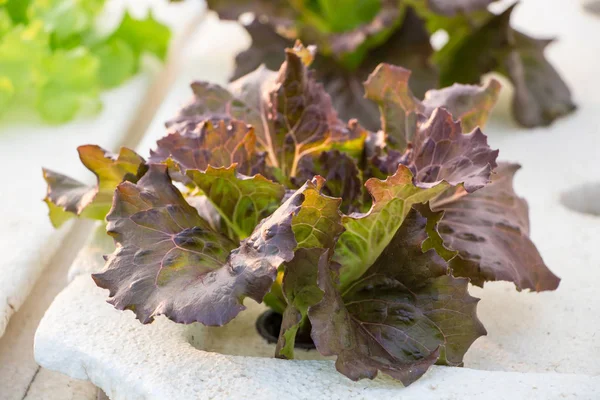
(86, 338)
(27, 240)
(539, 345)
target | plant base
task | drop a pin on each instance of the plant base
(268, 326)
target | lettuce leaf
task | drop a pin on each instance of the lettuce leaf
(218, 143)
(490, 231)
(402, 316)
(301, 292)
(304, 120)
(211, 102)
(540, 97)
(170, 261)
(470, 104)
(265, 49)
(242, 201)
(388, 86)
(217, 157)
(441, 152)
(342, 175)
(143, 35)
(67, 198)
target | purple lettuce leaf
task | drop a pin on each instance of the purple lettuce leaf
(402, 316)
(266, 49)
(388, 86)
(440, 151)
(171, 261)
(540, 96)
(67, 197)
(217, 157)
(168, 259)
(490, 231)
(214, 103)
(343, 178)
(218, 143)
(470, 104)
(303, 117)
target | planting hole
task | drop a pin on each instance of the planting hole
(269, 324)
(584, 199)
(240, 337)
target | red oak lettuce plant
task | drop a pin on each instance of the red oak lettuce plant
(369, 239)
(353, 37)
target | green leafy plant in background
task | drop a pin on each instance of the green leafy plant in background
(367, 240)
(353, 37)
(53, 59)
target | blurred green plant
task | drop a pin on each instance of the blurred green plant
(54, 59)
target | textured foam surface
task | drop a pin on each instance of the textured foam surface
(132, 361)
